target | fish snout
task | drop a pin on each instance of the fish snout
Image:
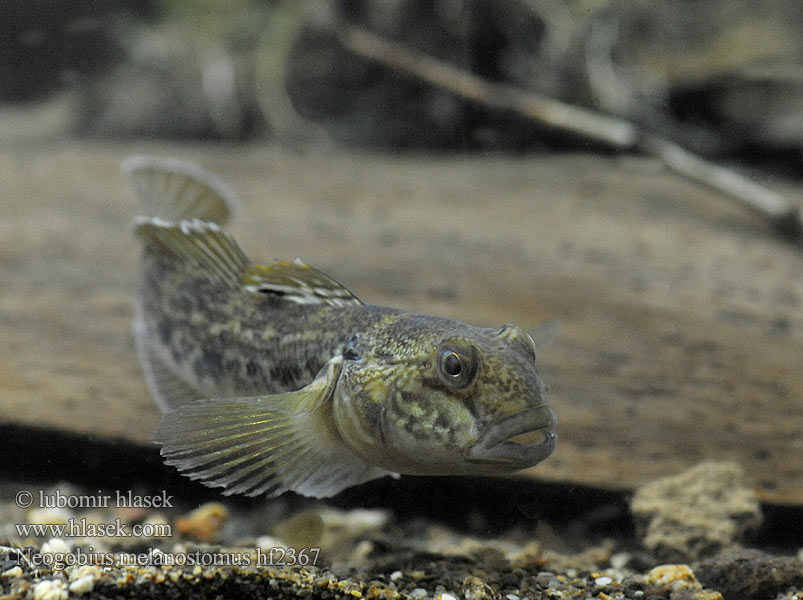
(516, 441)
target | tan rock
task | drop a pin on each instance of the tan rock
(696, 513)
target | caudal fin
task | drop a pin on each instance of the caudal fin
(175, 190)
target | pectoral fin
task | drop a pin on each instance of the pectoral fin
(265, 444)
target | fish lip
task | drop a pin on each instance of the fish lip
(493, 445)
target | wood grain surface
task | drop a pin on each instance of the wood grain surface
(681, 318)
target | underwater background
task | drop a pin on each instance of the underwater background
(630, 169)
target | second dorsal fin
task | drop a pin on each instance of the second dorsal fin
(298, 282)
(197, 243)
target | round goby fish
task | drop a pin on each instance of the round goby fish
(275, 378)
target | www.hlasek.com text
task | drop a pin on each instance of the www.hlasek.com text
(79, 528)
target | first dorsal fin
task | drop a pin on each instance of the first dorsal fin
(298, 282)
(196, 243)
(173, 190)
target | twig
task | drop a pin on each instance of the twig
(618, 133)
(770, 205)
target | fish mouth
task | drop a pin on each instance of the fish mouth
(518, 441)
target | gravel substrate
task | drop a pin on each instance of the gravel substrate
(290, 549)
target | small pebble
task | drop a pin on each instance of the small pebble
(475, 588)
(204, 523)
(11, 573)
(605, 580)
(85, 570)
(48, 516)
(678, 576)
(266, 542)
(362, 551)
(418, 593)
(396, 575)
(544, 577)
(158, 524)
(512, 597)
(55, 546)
(302, 530)
(620, 560)
(82, 585)
(446, 596)
(50, 589)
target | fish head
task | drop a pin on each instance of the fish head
(437, 397)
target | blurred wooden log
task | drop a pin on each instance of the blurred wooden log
(681, 325)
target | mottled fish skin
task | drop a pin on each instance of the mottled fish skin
(225, 342)
(278, 378)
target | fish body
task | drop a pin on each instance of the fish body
(275, 378)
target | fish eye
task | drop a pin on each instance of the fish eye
(452, 365)
(457, 364)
